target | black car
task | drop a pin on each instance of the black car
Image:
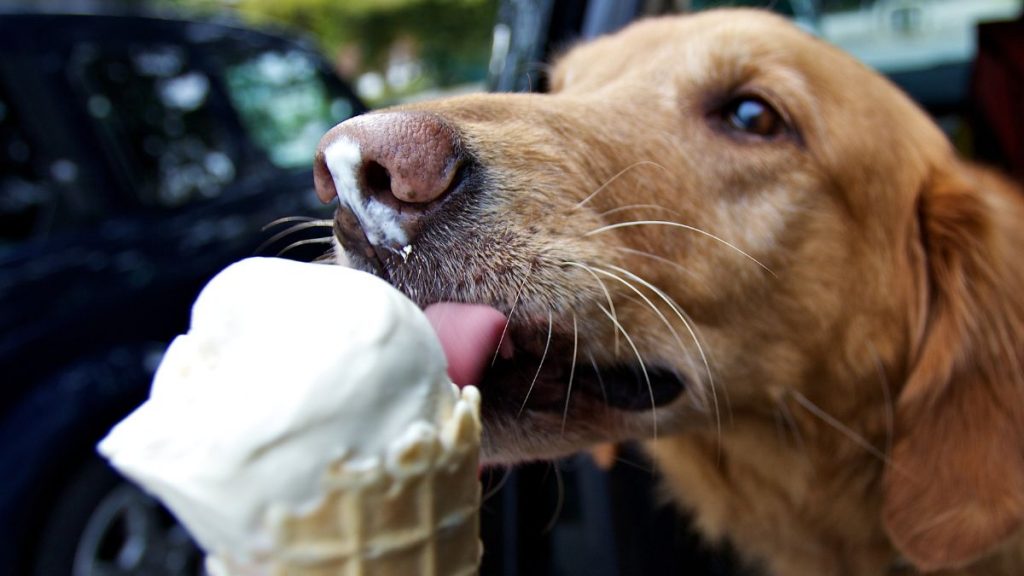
(139, 155)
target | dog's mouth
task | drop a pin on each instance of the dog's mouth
(540, 367)
(523, 362)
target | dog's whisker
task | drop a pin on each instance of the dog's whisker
(600, 382)
(301, 243)
(787, 415)
(572, 372)
(289, 219)
(691, 327)
(647, 301)
(684, 227)
(492, 490)
(886, 399)
(638, 207)
(655, 257)
(289, 231)
(528, 69)
(835, 423)
(508, 319)
(616, 177)
(636, 301)
(607, 296)
(327, 256)
(560, 499)
(619, 459)
(779, 426)
(643, 367)
(540, 366)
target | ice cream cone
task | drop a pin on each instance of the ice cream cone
(324, 439)
(414, 512)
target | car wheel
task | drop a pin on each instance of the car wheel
(102, 525)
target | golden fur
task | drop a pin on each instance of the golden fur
(855, 406)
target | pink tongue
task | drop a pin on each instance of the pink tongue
(469, 334)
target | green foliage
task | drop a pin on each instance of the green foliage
(450, 34)
(451, 38)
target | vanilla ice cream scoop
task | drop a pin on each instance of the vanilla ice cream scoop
(287, 367)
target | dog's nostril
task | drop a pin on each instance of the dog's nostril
(377, 179)
(407, 157)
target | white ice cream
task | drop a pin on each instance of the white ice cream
(286, 368)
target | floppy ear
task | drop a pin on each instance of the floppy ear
(954, 488)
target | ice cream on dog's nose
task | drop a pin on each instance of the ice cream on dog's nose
(300, 394)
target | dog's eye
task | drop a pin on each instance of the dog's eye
(753, 116)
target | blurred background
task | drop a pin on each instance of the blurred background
(146, 145)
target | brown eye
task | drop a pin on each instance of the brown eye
(753, 116)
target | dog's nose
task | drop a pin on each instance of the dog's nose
(401, 159)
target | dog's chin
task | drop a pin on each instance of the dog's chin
(536, 407)
(543, 419)
(509, 440)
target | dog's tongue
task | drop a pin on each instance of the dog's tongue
(469, 334)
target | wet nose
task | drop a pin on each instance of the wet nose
(400, 159)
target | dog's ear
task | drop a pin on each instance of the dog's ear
(954, 487)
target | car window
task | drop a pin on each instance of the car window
(159, 112)
(897, 36)
(892, 36)
(285, 103)
(780, 6)
(25, 197)
(52, 177)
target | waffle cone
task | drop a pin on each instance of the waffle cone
(415, 512)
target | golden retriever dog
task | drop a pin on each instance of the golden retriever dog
(722, 237)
